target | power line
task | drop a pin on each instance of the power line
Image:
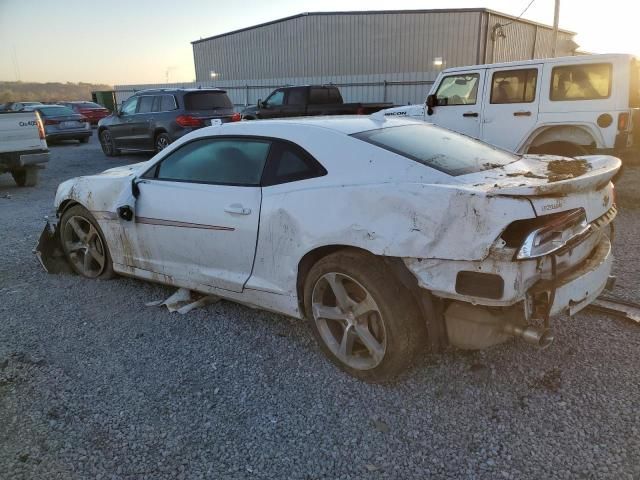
(519, 16)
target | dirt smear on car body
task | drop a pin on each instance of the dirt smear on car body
(565, 169)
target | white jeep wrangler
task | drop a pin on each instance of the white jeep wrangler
(565, 106)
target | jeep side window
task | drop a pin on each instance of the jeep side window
(514, 86)
(459, 89)
(581, 82)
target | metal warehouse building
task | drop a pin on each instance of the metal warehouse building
(372, 56)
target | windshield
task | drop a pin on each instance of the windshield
(438, 148)
(58, 111)
(634, 94)
(206, 101)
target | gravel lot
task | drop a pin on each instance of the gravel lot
(93, 384)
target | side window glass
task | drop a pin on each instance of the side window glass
(276, 99)
(145, 104)
(318, 96)
(334, 96)
(581, 82)
(156, 103)
(129, 106)
(514, 86)
(458, 90)
(167, 103)
(290, 163)
(225, 161)
(296, 96)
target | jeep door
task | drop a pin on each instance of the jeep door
(458, 106)
(510, 105)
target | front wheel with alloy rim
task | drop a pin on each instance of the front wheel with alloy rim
(107, 144)
(84, 245)
(162, 142)
(367, 325)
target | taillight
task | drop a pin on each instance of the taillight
(236, 117)
(40, 126)
(623, 122)
(188, 121)
(51, 122)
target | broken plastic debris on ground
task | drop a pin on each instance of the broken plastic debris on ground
(184, 300)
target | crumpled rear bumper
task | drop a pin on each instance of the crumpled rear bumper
(576, 289)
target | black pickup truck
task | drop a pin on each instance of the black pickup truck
(308, 100)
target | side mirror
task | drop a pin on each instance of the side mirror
(260, 103)
(432, 101)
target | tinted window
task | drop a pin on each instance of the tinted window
(276, 98)
(289, 163)
(514, 86)
(334, 96)
(458, 90)
(318, 95)
(296, 96)
(130, 105)
(206, 100)
(57, 111)
(167, 103)
(581, 82)
(220, 161)
(145, 104)
(438, 148)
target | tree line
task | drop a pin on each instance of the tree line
(47, 92)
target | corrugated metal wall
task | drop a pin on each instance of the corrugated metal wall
(509, 40)
(371, 56)
(353, 43)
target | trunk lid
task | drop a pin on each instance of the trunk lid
(553, 184)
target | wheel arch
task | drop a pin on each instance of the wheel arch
(581, 135)
(430, 307)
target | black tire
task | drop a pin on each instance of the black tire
(83, 140)
(26, 177)
(75, 214)
(248, 118)
(400, 326)
(563, 149)
(107, 143)
(162, 141)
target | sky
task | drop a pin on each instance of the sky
(149, 41)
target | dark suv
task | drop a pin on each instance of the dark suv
(152, 119)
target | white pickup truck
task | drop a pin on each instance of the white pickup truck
(23, 148)
(565, 106)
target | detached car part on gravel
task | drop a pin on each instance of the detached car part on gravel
(384, 233)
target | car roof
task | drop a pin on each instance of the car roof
(536, 61)
(170, 90)
(346, 124)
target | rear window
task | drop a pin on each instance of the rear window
(206, 101)
(88, 105)
(56, 111)
(581, 82)
(438, 148)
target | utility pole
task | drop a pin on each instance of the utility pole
(556, 20)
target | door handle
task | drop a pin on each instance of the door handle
(470, 114)
(521, 114)
(237, 209)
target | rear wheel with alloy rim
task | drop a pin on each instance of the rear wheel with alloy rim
(107, 144)
(162, 142)
(367, 325)
(84, 244)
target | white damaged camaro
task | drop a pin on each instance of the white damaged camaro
(385, 234)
